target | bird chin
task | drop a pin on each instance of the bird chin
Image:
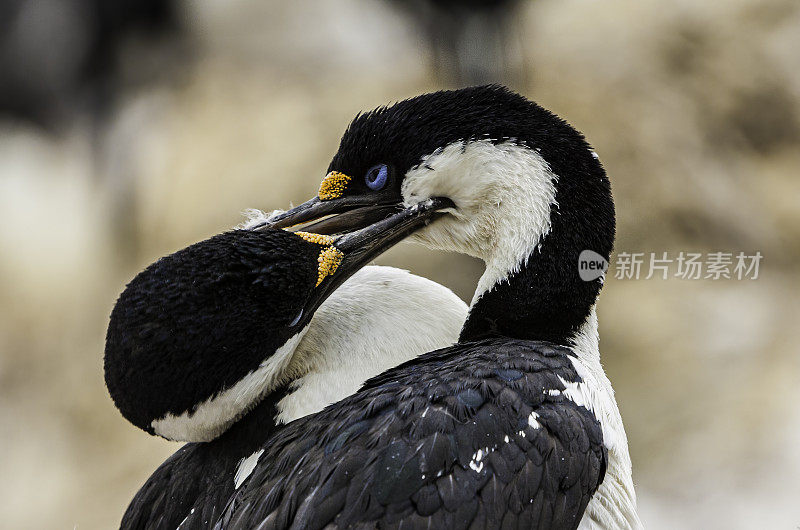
(449, 234)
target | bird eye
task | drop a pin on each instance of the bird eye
(377, 176)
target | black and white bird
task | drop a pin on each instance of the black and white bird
(222, 343)
(516, 426)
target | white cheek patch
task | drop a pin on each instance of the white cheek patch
(213, 417)
(504, 194)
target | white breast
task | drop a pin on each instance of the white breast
(378, 319)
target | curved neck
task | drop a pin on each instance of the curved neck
(212, 417)
(544, 300)
(528, 209)
(539, 295)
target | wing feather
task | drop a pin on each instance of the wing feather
(471, 436)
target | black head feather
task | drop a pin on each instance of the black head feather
(194, 322)
(546, 299)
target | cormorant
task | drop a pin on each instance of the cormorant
(516, 426)
(221, 343)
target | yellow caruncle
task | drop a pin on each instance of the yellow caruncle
(333, 186)
(318, 239)
(329, 260)
(329, 257)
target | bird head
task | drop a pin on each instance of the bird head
(507, 178)
(202, 335)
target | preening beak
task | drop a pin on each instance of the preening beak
(335, 216)
(349, 213)
(356, 228)
(367, 243)
(334, 212)
(356, 249)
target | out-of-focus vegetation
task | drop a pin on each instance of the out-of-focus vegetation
(694, 108)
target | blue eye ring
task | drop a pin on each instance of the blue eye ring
(377, 176)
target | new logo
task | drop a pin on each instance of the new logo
(591, 265)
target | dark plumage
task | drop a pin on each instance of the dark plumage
(499, 430)
(585, 216)
(198, 320)
(449, 412)
(444, 441)
(200, 475)
(238, 292)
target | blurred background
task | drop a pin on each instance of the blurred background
(131, 129)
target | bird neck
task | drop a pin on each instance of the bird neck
(209, 419)
(545, 299)
(532, 287)
(527, 209)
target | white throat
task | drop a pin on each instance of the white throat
(613, 506)
(504, 194)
